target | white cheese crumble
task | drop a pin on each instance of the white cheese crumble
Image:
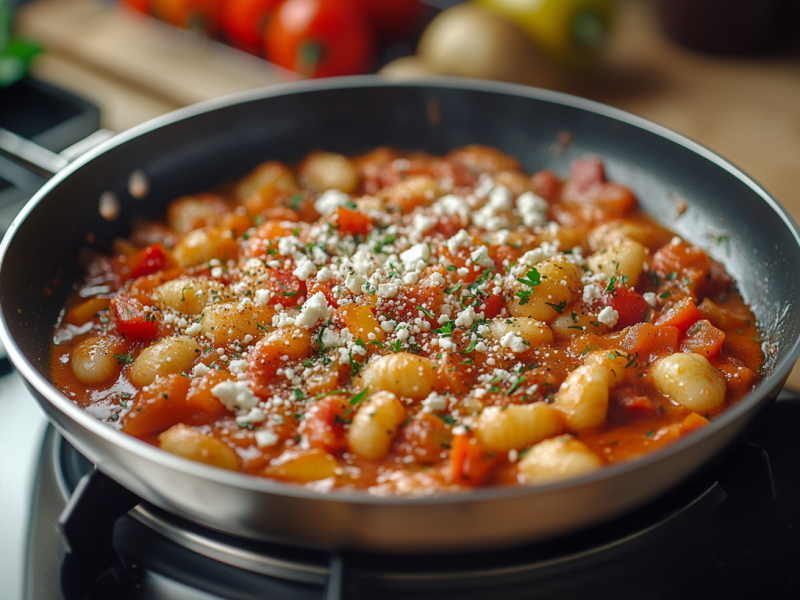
(608, 316)
(193, 329)
(305, 269)
(235, 395)
(591, 292)
(329, 201)
(314, 310)
(532, 209)
(458, 240)
(266, 438)
(650, 298)
(513, 342)
(415, 254)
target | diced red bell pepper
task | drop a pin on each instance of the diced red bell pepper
(132, 320)
(353, 221)
(703, 338)
(150, 260)
(470, 462)
(683, 315)
(631, 307)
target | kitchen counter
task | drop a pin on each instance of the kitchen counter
(747, 110)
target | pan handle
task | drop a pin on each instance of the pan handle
(42, 161)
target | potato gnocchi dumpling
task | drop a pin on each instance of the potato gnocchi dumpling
(404, 323)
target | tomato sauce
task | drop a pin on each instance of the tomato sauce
(406, 324)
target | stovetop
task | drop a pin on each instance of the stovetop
(734, 528)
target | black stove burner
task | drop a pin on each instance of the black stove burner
(730, 530)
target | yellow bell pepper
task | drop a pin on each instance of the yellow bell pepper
(572, 32)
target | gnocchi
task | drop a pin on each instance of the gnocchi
(407, 323)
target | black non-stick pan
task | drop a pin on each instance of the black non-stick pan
(197, 148)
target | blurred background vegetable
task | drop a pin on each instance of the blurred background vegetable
(471, 41)
(15, 53)
(572, 32)
(320, 38)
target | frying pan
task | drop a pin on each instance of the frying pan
(198, 147)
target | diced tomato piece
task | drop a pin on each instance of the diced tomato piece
(547, 185)
(631, 307)
(199, 396)
(615, 199)
(650, 340)
(494, 306)
(353, 221)
(455, 374)
(132, 320)
(448, 225)
(324, 423)
(692, 422)
(703, 338)
(159, 408)
(286, 288)
(151, 259)
(683, 315)
(423, 438)
(269, 230)
(470, 462)
(639, 406)
(264, 360)
(739, 379)
(680, 259)
(586, 173)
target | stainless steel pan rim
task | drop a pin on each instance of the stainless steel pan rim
(765, 392)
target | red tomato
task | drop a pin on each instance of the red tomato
(325, 421)
(143, 6)
(132, 320)
(244, 22)
(319, 38)
(683, 315)
(703, 338)
(286, 288)
(630, 306)
(198, 15)
(393, 18)
(469, 462)
(150, 260)
(651, 341)
(353, 221)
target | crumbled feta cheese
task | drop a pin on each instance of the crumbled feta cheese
(591, 292)
(532, 209)
(329, 201)
(513, 342)
(305, 269)
(266, 438)
(467, 317)
(434, 402)
(415, 254)
(313, 311)
(650, 298)
(481, 257)
(324, 274)
(193, 329)
(388, 290)
(238, 366)
(256, 415)
(608, 316)
(235, 395)
(458, 240)
(200, 369)
(437, 278)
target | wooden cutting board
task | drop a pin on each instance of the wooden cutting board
(747, 110)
